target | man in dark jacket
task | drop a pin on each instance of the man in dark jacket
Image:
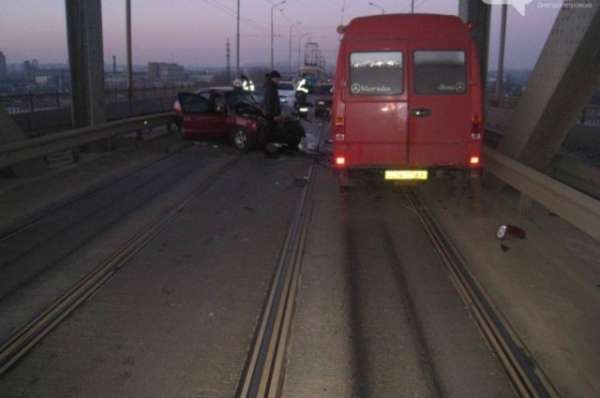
(272, 108)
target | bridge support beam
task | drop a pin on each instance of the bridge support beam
(86, 60)
(478, 14)
(563, 80)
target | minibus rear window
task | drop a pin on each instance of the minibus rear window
(376, 73)
(439, 72)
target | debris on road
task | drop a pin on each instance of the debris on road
(507, 232)
(301, 181)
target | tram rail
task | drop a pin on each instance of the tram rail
(26, 337)
(526, 376)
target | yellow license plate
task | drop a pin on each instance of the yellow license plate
(406, 175)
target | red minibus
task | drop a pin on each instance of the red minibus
(407, 97)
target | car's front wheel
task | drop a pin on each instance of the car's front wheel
(241, 140)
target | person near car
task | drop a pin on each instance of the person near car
(271, 106)
(301, 92)
(247, 84)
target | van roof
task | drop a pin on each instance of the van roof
(395, 26)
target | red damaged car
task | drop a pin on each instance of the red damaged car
(233, 115)
(220, 113)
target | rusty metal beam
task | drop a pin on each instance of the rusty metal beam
(563, 80)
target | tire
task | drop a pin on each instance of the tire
(241, 140)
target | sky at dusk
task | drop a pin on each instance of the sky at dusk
(193, 32)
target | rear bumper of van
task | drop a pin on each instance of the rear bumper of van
(398, 156)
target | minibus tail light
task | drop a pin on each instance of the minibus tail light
(338, 125)
(474, 161)
(340, 161)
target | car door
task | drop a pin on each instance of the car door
(439, 111)
(221, 120)
(197, 114)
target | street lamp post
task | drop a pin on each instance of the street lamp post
(380, 8)
(129, 56)
(290, 54)
(273, 33)
(237, 41)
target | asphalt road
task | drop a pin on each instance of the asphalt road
(37, 246)
(376, 316)
(178, 320)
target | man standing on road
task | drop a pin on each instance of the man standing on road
(272, 109)
(301, 92)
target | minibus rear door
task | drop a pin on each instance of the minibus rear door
(375, 106)
(440, 120)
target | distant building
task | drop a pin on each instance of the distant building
(202, 77)
(116, 80)
(3, 71)
(42, 80)
(27, 65)
(165, 71)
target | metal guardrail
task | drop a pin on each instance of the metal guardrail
(34, 102)
(575, 207)
(16, 152)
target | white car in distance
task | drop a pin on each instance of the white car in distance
(287, 93)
